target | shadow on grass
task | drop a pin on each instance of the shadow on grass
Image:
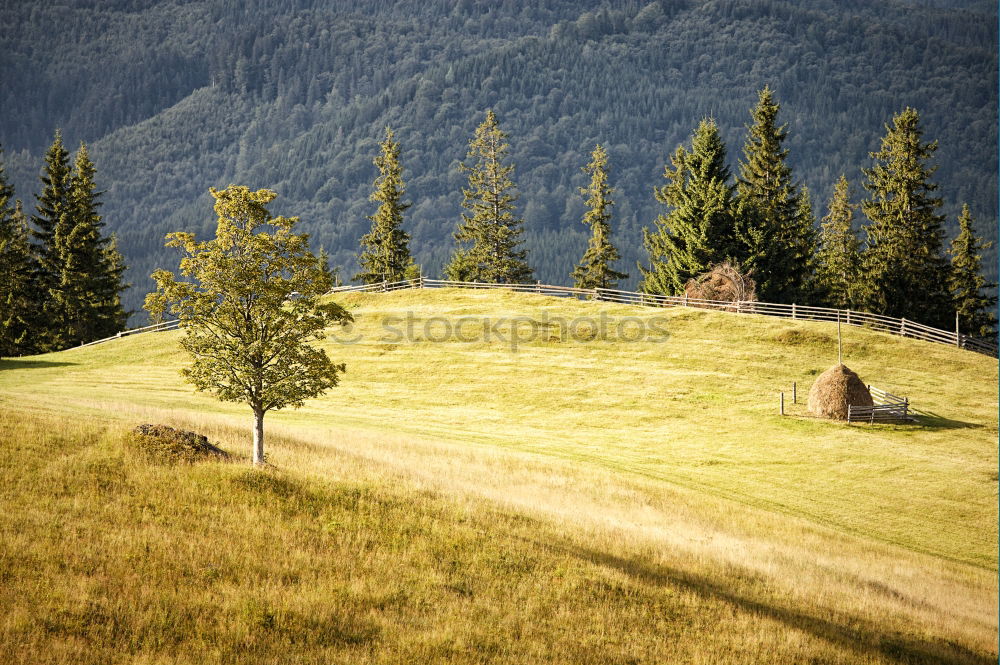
(932, 420)
(850, 632)
(18, 363)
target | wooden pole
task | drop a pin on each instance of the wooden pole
(795, 393)
(958, 337)
(840, 343)
(781, 403)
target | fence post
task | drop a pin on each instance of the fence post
(538, 286)
(795, 393)
(793, 310)
(781, 403)
(902, 326)
(739, 306)
(958, 336)
(848, 317)
(685, 299)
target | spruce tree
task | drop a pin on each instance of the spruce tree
(595, 269)
(976, 310)
(778, 241)
(698, 229)
(904, 272)
(491, 229)
(52, 208)
(386, 253)
(16, 301)
(837, 270)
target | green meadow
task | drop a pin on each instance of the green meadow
(590, 496)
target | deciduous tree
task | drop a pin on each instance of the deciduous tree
(250, 308)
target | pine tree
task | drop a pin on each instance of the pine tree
(52, 208)
(595, 269)
(698, 229)
(904, 273)
(16, 302)
(491, 225)
(386, 254)
(976, 311)
(837, 270)
(87, 295)
(778, 241)
(79, 276)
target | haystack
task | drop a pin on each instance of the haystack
(835, 390)
(724, 281)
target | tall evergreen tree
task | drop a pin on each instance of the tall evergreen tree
(16, 301)
(837, 270)
(386, 249)
(976, 310)
(698, 229)
(79, 276)
(903, 268)
(595, 269)
(778, 241)
(52, 207)
(491, 225)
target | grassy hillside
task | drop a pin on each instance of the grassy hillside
(590, 500)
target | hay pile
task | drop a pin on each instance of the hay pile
(834, 390)
(166, 445)
(724, 281)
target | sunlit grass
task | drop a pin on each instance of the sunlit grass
(668, 512)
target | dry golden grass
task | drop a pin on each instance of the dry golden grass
(456, 502)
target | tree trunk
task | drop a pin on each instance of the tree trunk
(258, 437)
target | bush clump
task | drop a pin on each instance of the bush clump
(167, 445)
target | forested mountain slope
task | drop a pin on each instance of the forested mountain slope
(174, 97)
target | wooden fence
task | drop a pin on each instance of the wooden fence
(902, 327)
(888, 408)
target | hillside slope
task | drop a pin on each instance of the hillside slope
(175, 97)
(661, 463)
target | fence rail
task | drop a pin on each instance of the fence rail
(888, 408)
(878, 322)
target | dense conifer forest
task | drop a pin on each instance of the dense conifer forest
(295, 95)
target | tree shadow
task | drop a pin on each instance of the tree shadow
(21, 363)
(851, 632)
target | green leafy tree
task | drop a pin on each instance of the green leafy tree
(698, 229)
(594, 270)
(490, 228)
(904, 271)
(250, 309)
(386, 253)
(975, 309)
(16, 302)
(837, 269)
(779, 241)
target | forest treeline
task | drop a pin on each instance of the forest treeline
(758, 225)
(294, 95)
